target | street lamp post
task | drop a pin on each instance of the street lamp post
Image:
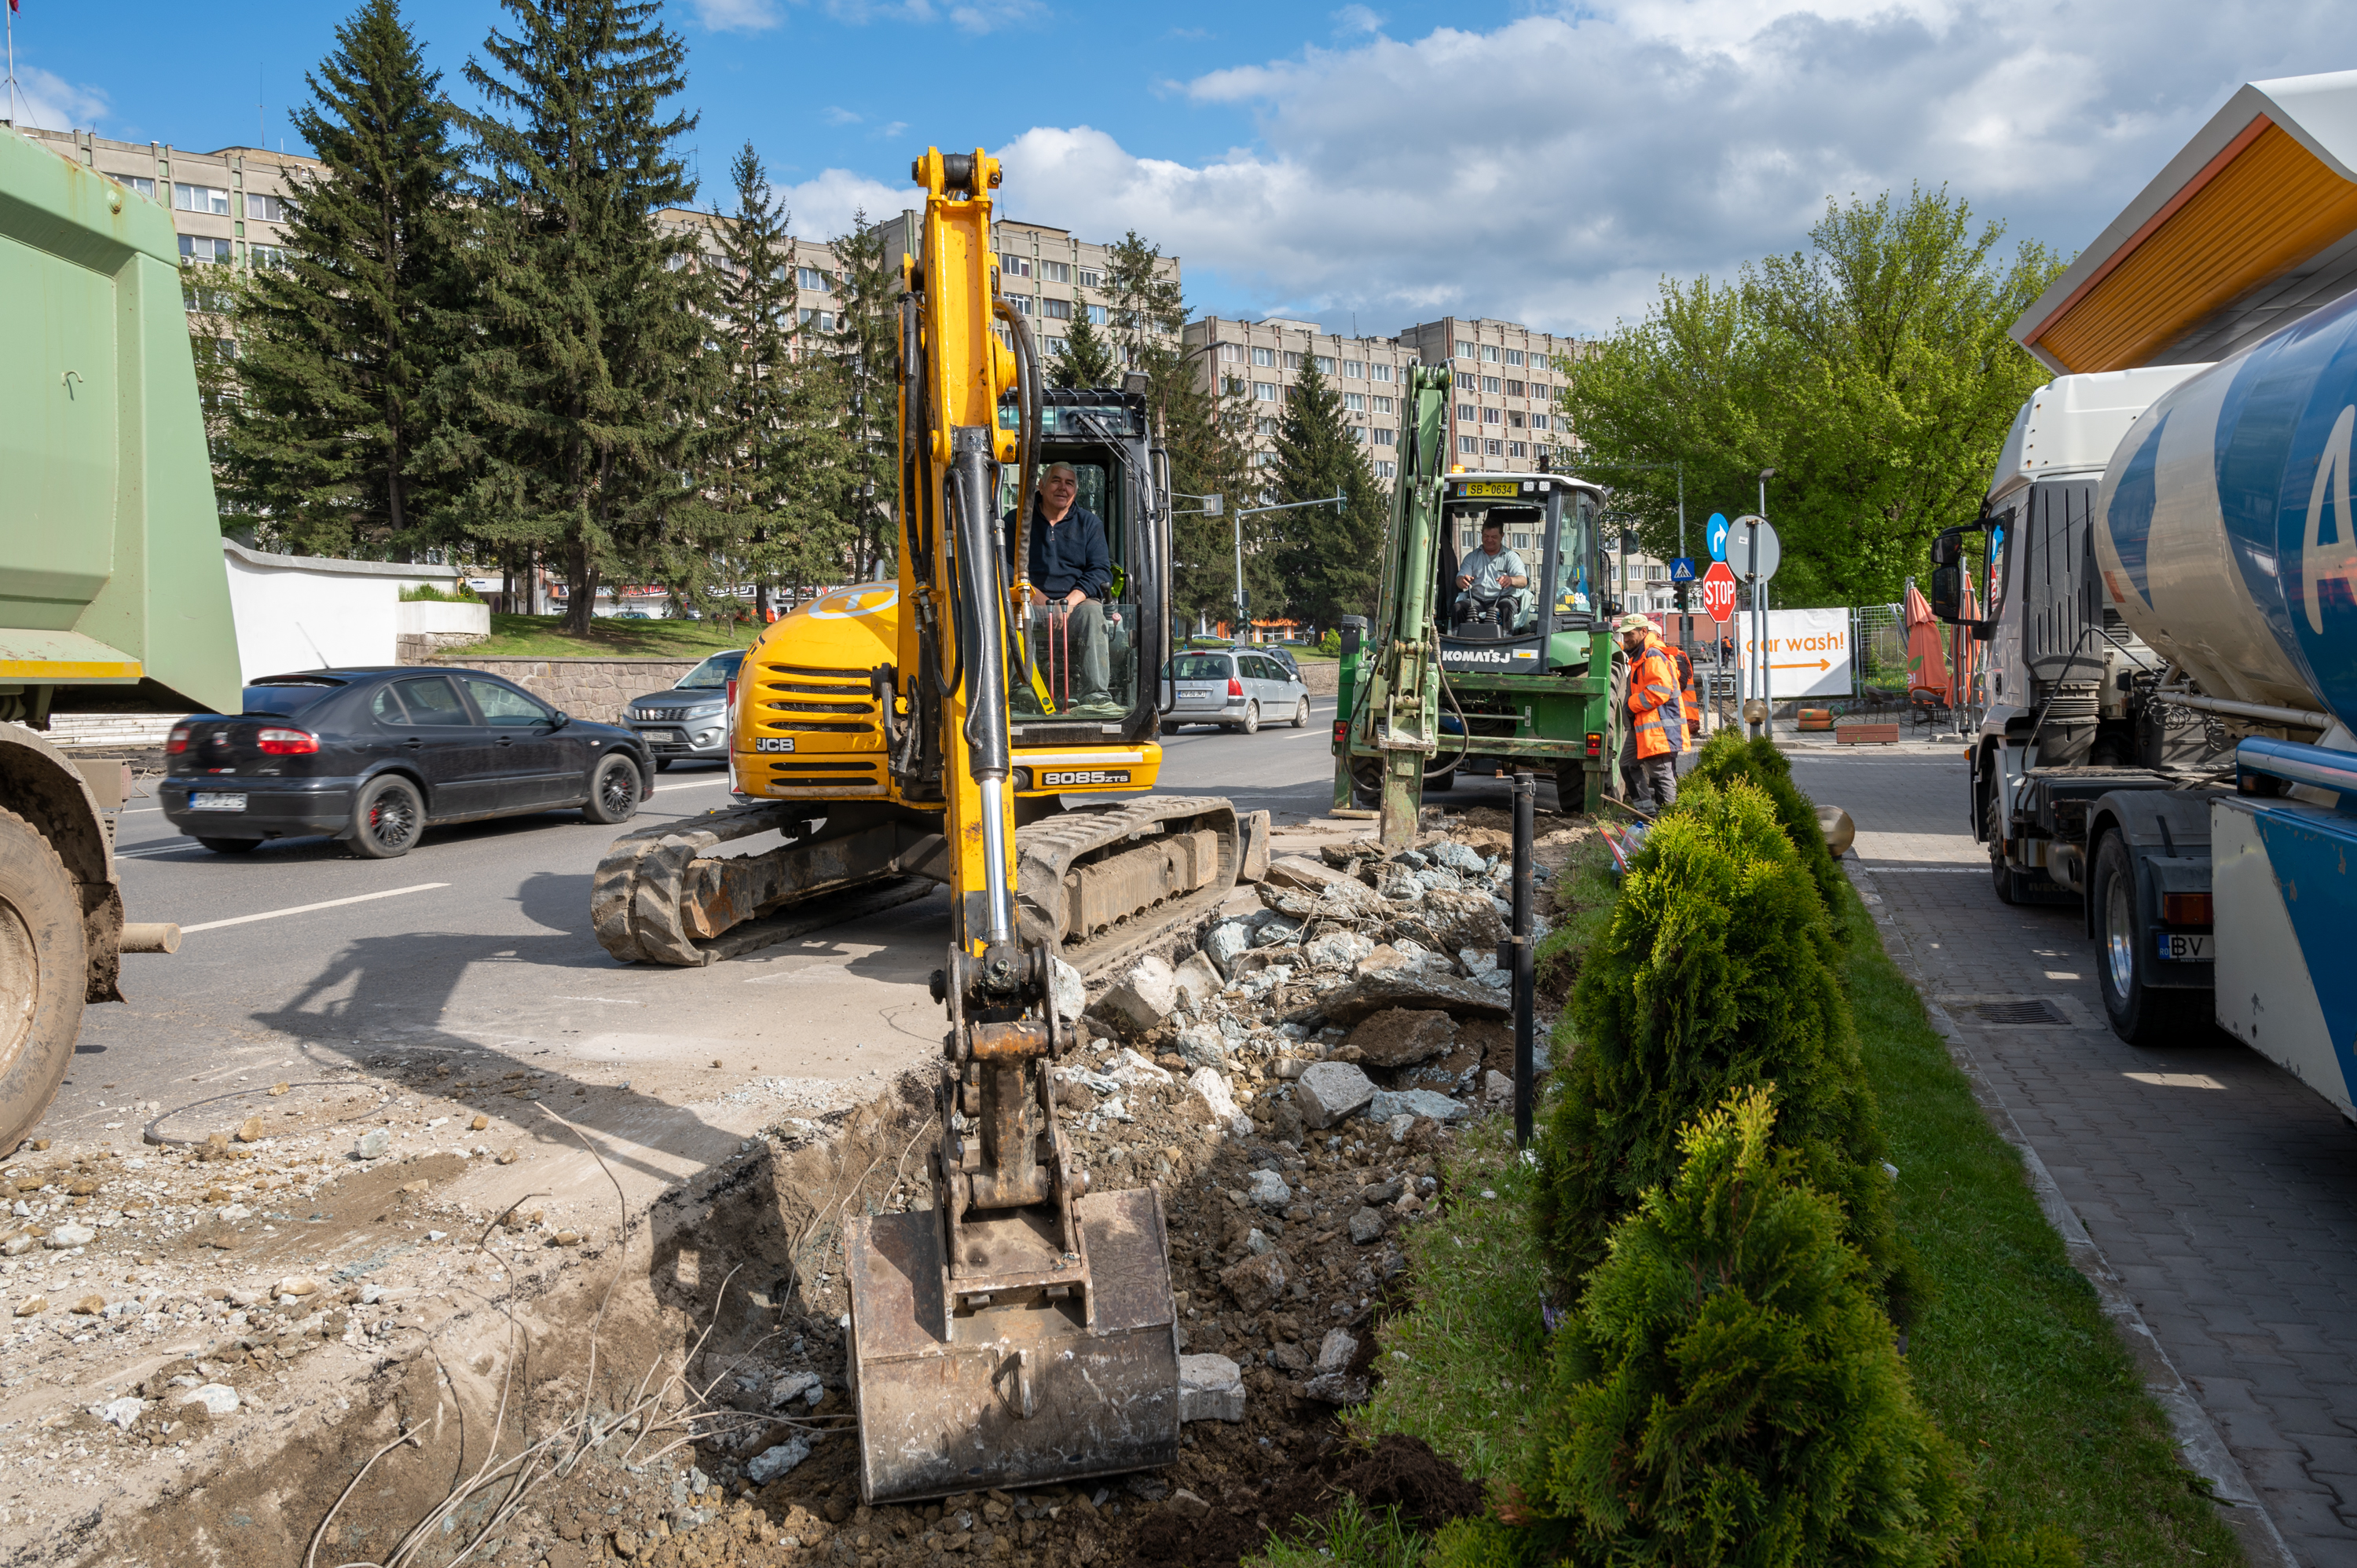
(1242, 625)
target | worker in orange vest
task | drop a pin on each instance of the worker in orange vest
(1686, 683)
(1656, 716)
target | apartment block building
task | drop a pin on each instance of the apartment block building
(230, 206)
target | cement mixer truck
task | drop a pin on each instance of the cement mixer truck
(2171, 735)
(113, 593)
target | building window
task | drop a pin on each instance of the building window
(1057, 345)
(1382, 405)
(1514, 356)
(1359, 434)
(1232, 353)
(811, 278)
(1493, 448)
(1386, 437)
(1489, 354)
(1022, 302)
(1264, 426)
(1386, 470)
(1264, 392)
(1015, 267)
(1263, 356)
(1492, 385)
(1056, 309)
(201, 199)
(1468, 446)
(1092, 278)
(146, 188)
(269, 208)
(1354, 370)
(1539, 421)
(1055, 272)
(193, 249)
(1355, 401)
(1292, 361)
(1096, 314)
(1466, 415)
(1465, 348)
(268, 255)
(1515, 389)
(1488, 416)
(1232, 386)
(1515, 420)
(1518, 448)
(1264, 459)
(1382, 372)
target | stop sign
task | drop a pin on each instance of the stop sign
(1718, 592)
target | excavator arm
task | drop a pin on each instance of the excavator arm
(1400, 718)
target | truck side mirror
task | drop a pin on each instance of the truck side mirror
(1948, 548)
(1947, 591)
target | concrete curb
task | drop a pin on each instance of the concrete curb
(2198, 1441)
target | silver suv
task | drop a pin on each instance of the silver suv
(1236, 689)
(688, 722)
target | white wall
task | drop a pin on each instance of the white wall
(303, 612)
(440, 617)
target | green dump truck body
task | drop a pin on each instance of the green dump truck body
(113, 593)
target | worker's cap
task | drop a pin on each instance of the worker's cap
(1629, 623)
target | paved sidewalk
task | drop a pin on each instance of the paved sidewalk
(2220, 1193)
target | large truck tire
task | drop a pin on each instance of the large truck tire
(2140, 1014)
(44, 963)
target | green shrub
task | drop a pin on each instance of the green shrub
(1731, 1391)
(426, 593)
(1330, 644)
(1729, 756)
(1715, 973)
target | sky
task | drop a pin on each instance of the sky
(1368, 166)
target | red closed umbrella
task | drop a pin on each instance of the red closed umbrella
(1927, 662)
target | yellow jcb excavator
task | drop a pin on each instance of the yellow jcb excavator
(1021, 1331)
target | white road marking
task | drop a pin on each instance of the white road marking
(306, 908)
(692, 784)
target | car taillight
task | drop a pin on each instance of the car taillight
(1595, 743)
(1236, 687)
(732, 691)
(179, 741)
(287, 742)
(2185, 908)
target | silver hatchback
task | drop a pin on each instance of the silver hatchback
(1238, 689)
(688, 722)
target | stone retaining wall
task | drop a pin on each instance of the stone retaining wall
(593, 689)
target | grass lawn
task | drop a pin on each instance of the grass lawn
(2009, 1348)
(537, 637)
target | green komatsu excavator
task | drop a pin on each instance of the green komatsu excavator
(1458, 679)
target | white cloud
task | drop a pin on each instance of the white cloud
(823, 207)
(836, 116)
(969, 15)
(737, 15)
(1551, 169)
(51, 103)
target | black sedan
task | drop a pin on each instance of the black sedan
(377, 756)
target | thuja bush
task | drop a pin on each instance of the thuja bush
(1729, 1389)
(1715, 974)
(1728, 756)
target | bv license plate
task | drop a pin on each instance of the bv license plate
(2181, 948)
(773, 743)
(207, 801)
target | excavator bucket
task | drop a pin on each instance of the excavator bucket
(962, 1388)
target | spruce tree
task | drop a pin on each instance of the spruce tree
(864, 356)
(776, 448)
(338, 344)
(586, 398)
(1332, 559)
(1086, 359)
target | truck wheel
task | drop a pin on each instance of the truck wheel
(613, 790)
(2140, 1014)
(1437, 783)
(387, 818)
(2005, 876)
(1570, 789)
(44, 960)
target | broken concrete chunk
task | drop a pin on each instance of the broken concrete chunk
(1198, 981)
(373, 1144)
(1329, 1092)
(1188, 1506)
(1213, 1087)
(1366, 1226)
(1257, 1283)
(1458, 858)
(1497, 1088)
(123, 1414)
(218, 1398)
(1268, 1190)
(1210, 1388)
(1397, 1036)
(1290, 1359)
(1413, 988)
(1146, 993)
(1257, 1244)
(1066, 990)
(1202, 1046)
(1337, 1388)
(69, 1235)
(1300, 871)
(771, 1463)
(1334, 1351)
(1388, 1103)
(1338, 948)
(1224, 942)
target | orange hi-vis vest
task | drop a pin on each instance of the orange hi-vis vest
(1693, 701)
(1655, 713)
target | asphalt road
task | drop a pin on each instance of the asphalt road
(475, 948)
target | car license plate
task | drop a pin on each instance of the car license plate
(667, 736)
(1194, 688)
(2181, 948)
(1489, 487)
(206, 800)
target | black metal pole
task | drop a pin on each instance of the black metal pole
(1526, 794)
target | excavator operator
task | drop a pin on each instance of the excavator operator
(1071, 571)
(1494, 571)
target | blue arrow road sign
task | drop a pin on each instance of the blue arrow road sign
(1715, 530)
(1682, 569)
